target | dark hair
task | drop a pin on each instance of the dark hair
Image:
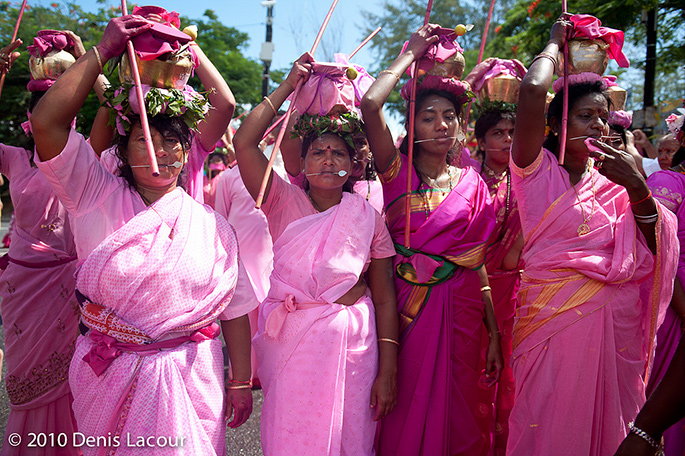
(307, 143)
(556, 107)
(167, 126)
(421, 98)
(489, 120)
(219, 155)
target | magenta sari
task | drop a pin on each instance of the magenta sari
(668, 188)
(39, 311)
(441, 313)
(591, 302)
(496, 402)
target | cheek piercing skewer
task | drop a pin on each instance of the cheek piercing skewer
(341, 173)
(176, 165)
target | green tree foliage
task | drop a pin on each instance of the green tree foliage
(222, 44)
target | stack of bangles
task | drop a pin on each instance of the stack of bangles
(385, 339)
(238, 385)
(544, 55)
(646, 219)
(647, 438)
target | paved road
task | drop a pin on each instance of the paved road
(244, 441)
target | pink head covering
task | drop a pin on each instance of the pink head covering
(328, 87)
(452, 85)
(47, 40)
(621, 118)
(586, 26)
(579, 79)
(498, 67)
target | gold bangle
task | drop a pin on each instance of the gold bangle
(397, 76)
(544, 55)
(272, 105)
(485, 288)
(392, 341)
(97, 55)
(239, 387)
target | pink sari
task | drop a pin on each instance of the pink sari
(177, 393)
(318, 359)
(668, 188)
(39, 311)
(496, 402)
(590, 308)
(441, 313)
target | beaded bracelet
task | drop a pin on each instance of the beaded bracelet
(646, 437)
(392, 341)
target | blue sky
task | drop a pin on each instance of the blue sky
(296, 23)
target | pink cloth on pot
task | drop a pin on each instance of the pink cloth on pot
(327, 87)
(445, 47)
(363, 80)
(47, 40)
(171, 18)
(501, 66)
(586, 26)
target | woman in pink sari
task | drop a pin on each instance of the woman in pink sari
(440, 280)
(326, 351)
(600, 260)
(157, 269)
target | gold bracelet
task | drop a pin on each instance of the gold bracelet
(397, 76)
(485, 288)
(239, 387)
(97, 55)
(272, 105)
(544, 55)
(392, 341)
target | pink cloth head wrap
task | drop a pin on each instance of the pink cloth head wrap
(622, 118)
(452, 85)
(445, 47)
(47, 40)
(578, 79)
(498, 67)
(327, 87)
(586, 26)
(363, 80)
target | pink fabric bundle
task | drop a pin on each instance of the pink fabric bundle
(170, 18)
(430, 81)
(363, 80)
(579, 79)
(501, 66)
(586, 26)
(622, 118)
(328, 87)
(445, 47)
(47, 40)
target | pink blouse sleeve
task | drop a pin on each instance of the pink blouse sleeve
(79, 180)
(382, 245)
(12, 159)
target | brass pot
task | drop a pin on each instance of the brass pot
(51, 66)
(169, 71)
(584, 56)
(618, 98)
(452, 67)
(503, 87)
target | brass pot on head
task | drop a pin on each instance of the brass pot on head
(584, 56)
(503, 87)
(169, 71)
(452, 67)
(618, 98)
(51, 66)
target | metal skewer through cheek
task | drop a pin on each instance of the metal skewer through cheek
(141, 102)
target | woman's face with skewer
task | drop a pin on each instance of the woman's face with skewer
(168, 150)
(326, 159)
(588, 117)
(436, 125)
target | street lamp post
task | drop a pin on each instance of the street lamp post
(268, 46)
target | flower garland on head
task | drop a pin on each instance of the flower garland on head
(186, 104)
(346, 125)
(485, 106)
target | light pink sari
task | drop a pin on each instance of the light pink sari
(590, 308)
(318, 368)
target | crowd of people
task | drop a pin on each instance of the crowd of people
(390, 296)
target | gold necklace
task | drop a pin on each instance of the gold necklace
(584, 228)
(426, 200)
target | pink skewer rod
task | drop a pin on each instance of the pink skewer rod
(368, 38)
(410, 134)
(284, 120)
(480, 54)
(323, 27)
(277, 145)
(14, 37)
(154, 168)
(564, 115)
(273, 126)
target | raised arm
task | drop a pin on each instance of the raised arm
(252, 161)
(51, 118)
(8, 55)
(529, 131)
(214, 125)
(377, 131)
(291, 149)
